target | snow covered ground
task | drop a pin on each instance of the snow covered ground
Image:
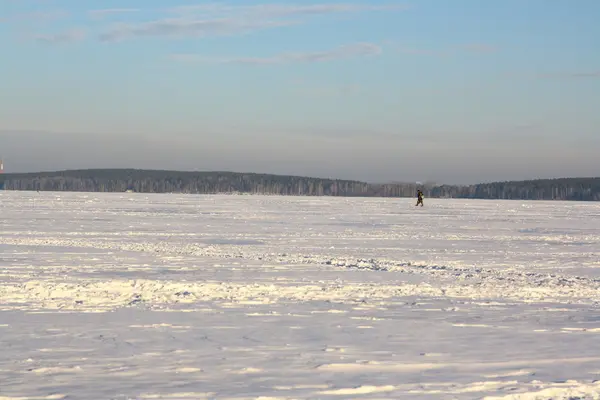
(135, 296)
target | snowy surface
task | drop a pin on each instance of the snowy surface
(134, 296)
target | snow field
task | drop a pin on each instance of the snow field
(133, 296)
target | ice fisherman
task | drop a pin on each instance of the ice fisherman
(419, 198)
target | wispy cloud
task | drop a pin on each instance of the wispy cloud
(101, 13)
(180, 27)
(222, 20)
(70, 36)
(418, 51)
(448, 51)
(573, 75)
(342, 52)
(479, 48)
(592, 74)
(564, 75)
(320, 91)
(36, 16)
(284, 10)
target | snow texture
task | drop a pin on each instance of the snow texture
(165, 296)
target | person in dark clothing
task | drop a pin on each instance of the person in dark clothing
(419, 198)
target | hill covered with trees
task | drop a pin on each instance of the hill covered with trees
(158, 181)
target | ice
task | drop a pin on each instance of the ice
(150, 296)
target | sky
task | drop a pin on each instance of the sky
(456, 92)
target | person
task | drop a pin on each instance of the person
(419, 198)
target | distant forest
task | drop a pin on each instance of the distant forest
(156, 181)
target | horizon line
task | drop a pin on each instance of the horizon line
(417, 183)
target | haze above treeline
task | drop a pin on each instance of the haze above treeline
(212, 182)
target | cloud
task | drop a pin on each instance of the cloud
(342, 52)
(592, 74)
(220, 20)
(574, 75)
(472, 48)
(321, 91)
(180, 27)
(424, 52)
(111, 11)
(37, 16)
(565, 75)
(74, 35)
(479, 48)
(285, 10)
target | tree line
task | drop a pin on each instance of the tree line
(158, 181)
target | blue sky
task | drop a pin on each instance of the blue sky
(449, 91)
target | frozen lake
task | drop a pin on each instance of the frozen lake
(164, 296)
